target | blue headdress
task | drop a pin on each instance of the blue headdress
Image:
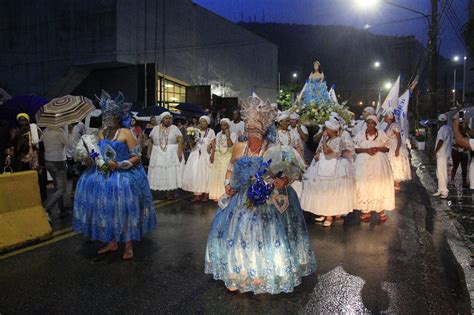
(115, 108)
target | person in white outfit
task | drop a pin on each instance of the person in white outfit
(198, 167)
(300, 133)
(442, 152)
(237, 125)
(373, 173)
(398, 154)
(361, 125)
(221, 152)
(166, 157)
(328, 184)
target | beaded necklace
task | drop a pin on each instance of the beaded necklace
(288, 137)
(367, 135)
(164, 134)
(222, 142)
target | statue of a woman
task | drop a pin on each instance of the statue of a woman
(315, 89)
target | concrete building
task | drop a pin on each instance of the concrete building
(155, 51)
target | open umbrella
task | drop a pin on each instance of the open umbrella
(28, 104)
(191, 108)
(64, 110)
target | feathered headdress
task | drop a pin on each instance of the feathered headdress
(116, 107)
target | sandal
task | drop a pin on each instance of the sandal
(383, 218)
(128, 253)
(365, 217)
(327, 223)
(320, 219)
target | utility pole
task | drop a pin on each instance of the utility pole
(433, 47)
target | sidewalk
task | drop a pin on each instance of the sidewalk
(456, 214)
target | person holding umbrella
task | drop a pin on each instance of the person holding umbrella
(113, 202)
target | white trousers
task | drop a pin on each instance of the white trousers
(471, 174)
(442, 174)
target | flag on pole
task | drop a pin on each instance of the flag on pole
(401, 114)
(378, 109)
(332, 95)
(391, 101)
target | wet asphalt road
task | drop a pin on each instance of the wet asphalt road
(401, 267)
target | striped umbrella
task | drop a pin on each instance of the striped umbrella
(63, 111)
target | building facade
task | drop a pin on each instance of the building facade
(154, 51)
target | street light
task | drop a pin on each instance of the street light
(376, 64)
(295, 75)
(387, 85)
(456, 58)
(364, 4)
(361, 103)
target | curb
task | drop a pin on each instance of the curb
(452, 230)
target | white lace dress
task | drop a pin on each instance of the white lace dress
(198, 167)
(165, 170)
(289, 138)
(400, 165)
(222, 157)
(328, 185)
(373, 173)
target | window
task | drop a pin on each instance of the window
(173, 93)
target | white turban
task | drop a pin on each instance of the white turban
(164, 115)
(332, 124)
(336, 116)
(225, 120)
(373, 118)
(294, 116)
(369, 110)
(442, 117)
(283, 116)
(389, 114)
(206, 118)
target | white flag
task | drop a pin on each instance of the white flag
(401, 114)
(332, 95)
(391, 101)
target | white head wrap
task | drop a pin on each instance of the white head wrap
(164, 115)
(283, 116)
(369, 110)
(225, 120)
(389, 114)
(332, 124)
(442, 117)
(206, 118)
(373, 118)
(294, 116)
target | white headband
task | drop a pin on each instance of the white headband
(283, 116)
(206, 118)
(373, 118)
(225, 120)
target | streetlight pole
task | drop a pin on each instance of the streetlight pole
(464, 81)
(454, 88)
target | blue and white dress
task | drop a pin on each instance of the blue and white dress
(115, 207)
(316, 92)
(258, 249)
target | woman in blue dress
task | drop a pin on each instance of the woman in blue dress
(315, 90)
(113, 202)
(259, 248)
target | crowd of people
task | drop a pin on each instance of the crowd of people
(112, 190)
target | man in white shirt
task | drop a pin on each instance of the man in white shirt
(442, 152)
(55, 142)
(361, 125)
(237, 125)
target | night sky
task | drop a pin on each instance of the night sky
(383, 18)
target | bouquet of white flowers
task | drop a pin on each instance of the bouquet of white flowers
(88, 146)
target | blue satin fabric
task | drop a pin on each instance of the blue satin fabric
(259, 249)
(118, 206)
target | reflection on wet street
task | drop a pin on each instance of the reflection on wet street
(398, 267)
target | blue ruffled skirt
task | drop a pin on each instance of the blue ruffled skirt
(260, 249)
(117, 207)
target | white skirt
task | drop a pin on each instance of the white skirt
(217, 175)
(165, 171)
(329, 194)
(400, 165)
(196, 172)
(374, 183)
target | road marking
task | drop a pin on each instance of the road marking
(39, 245)
(66, 233)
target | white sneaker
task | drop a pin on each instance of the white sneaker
(437, 194)
(444, 196)
(320, 219)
